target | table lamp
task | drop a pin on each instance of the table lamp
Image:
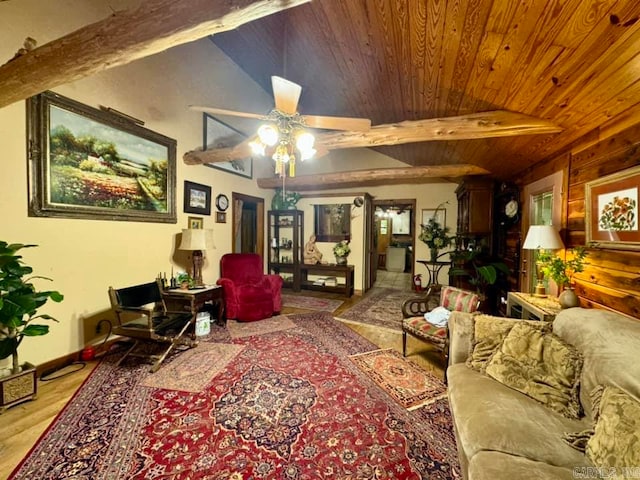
(542, 237)
(197, 240)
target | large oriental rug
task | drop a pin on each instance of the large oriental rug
(380, 307)
(279, 404)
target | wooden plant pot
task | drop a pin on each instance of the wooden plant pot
(18, 387)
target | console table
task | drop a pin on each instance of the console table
(196, 300)
(529, 307)
(328, 270)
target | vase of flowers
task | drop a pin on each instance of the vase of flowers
(341, 250)
(435, 236)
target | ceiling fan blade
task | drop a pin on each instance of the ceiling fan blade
(337, 123)
(286, 94)
(222, 111)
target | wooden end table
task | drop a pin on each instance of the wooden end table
(196, 300)
(529, 307)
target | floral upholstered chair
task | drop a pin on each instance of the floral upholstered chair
(427, 320)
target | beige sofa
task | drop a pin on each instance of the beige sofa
(502, 433)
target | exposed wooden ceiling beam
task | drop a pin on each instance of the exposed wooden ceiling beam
(125, 36)
(380, 176)
(498, 123)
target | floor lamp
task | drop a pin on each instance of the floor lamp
(542, 237)
(196, 240)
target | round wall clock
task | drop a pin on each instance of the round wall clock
(511, 209)
(222, 202)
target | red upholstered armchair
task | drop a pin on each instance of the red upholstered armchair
(249, 294)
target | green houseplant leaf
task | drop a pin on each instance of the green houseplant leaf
(19, 302)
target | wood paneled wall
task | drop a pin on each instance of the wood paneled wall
(611, 279)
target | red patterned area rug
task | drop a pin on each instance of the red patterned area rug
(289, 404)
(406, 382)
(380, 307)
(310, 303)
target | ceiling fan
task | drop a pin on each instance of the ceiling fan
(357, 132)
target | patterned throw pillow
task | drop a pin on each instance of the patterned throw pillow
(457, 300)
(488, 334)
(616, 441)
(542, 366)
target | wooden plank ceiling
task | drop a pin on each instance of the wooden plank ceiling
(575, 63)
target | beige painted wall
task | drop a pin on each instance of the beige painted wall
(85, 257)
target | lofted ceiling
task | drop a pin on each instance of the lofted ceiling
(575, 63)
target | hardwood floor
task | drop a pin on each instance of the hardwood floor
(22, 425)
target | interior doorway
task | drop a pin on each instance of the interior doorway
(248, 223)
(393, 239)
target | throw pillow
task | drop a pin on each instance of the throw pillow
(616, 439)
(542, 366)
(488, 334)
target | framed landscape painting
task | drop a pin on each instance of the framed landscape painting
(218, 134)
(612, 210)
(90, 164)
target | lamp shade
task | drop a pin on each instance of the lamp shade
(193, 239)
(542, 236)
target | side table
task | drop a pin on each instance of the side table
(529, 307)
(196, 300)
(433, 269)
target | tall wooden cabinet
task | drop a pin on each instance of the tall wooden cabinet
(475, 213)
(285, 245)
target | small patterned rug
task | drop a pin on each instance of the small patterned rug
(193, 369)
(380, 307)
(310, 303)
(406, 382)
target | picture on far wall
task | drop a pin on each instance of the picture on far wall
(612, 210)
(197, 198)
(218, 134)
(91, 164)
(440, 215)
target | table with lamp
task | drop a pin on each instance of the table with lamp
(537, 305)
(201, 297)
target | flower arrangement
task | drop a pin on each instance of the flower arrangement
(562, 271)
(342, 249)
(435, 235)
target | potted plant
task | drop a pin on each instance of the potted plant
(19, 304)
(562, 272)
(482, 272)
(341, 250)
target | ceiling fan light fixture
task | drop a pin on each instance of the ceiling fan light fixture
(305, 141)
(268, 134)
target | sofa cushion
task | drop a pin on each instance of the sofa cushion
(544, 367)
(492, 465)
(609, 344)
(616, 439)
(490, 416)
(488, 334)
(455, 299)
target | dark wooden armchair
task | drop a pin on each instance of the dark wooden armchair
(141, 314)
(415, 323)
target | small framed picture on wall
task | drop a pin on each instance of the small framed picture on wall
(195, 223)
(197, 198)
(221, 217)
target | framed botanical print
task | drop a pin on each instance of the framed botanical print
(612, 210)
